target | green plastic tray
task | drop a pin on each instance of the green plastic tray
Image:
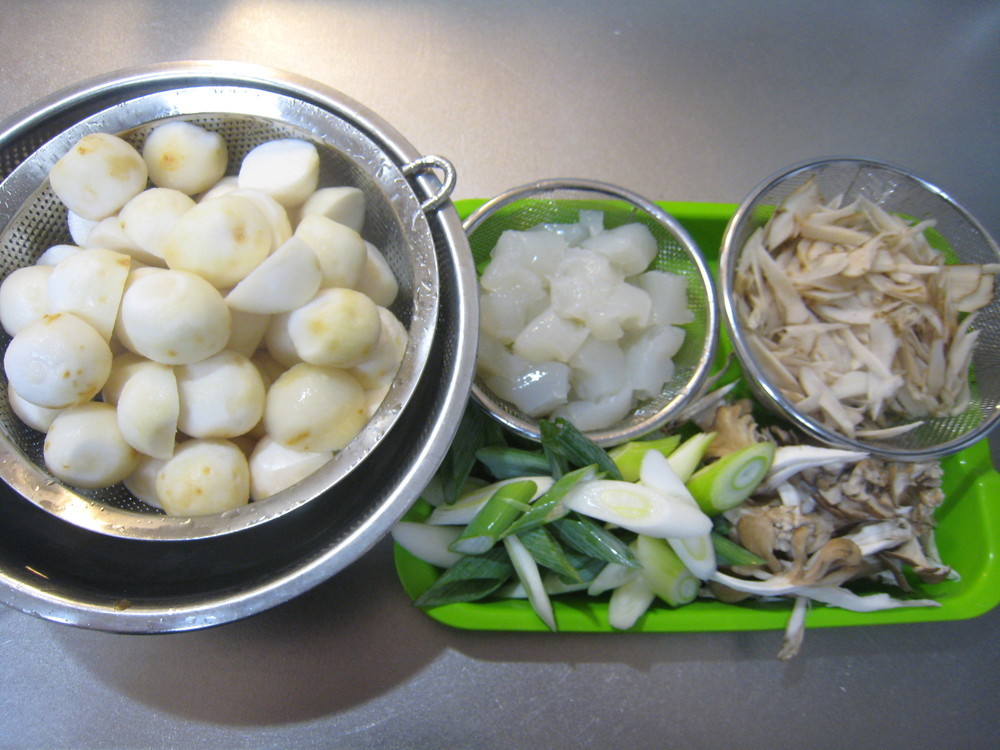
(968, 538)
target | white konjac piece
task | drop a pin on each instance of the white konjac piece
(574, 323)
(235, 330)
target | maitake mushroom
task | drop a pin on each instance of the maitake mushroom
(857, 317)
(825, 517)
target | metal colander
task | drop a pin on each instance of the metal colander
(95, 560)
(33, 219)
(560, 201)
(897, 191)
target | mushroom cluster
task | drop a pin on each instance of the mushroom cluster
(824, 517)
(859, 320)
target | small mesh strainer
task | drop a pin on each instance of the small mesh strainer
(560, 201)
(896, 191)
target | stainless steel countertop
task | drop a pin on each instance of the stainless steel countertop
(675, 100)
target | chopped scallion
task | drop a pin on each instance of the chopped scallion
(529, 576)
(663, 570)
(495, 517)
(589, 538)
(505, 462)
(729, 481)
(628, 457)
(550, 505)
(548, 553)
(565, 440)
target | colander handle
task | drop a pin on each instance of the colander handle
(431, 164)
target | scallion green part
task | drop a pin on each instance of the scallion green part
(564, 440)
(495, 517)
(628, 457)
(504, 462)
(687, 458)
(548, 553)
(471, 590)
(470, 579)
(549, 506)
(591, 539)
(461, 456)
(726, 483)
(730, 553)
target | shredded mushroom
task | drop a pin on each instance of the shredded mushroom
(825, 517)
(857, 317)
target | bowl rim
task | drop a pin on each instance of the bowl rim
(529, 428)
(758, 379)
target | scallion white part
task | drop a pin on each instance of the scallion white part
(629, 602)
(657, 473)
(789, 460)
(668, 577)
(637, 508)
(553, 584)
(611, 577)
(697, 554)
(427, 543)
(530, 577)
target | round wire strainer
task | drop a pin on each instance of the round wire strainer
(246, 114)
(896, 191)
(560, 201)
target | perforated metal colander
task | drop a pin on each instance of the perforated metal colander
(100, 562)
(560, 201)
(897, 191)
(246, 115)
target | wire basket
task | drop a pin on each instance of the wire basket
(561, 201)
(32, 219)
(898, 192)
